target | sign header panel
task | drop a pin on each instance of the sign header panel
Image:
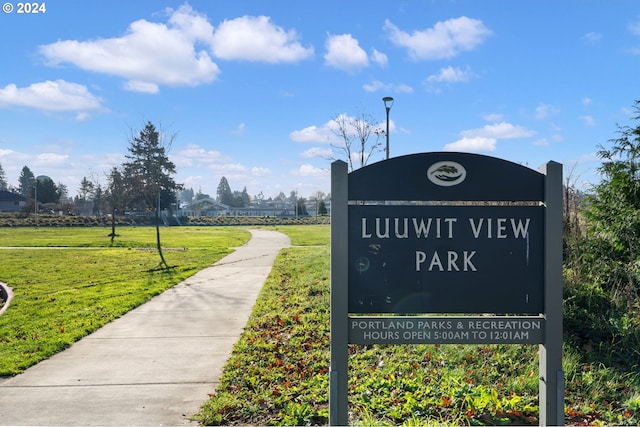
(446, 259)
(446, 176)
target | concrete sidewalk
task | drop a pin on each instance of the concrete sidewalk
(155, 365)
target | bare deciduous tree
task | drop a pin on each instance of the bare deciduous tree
(354, 134)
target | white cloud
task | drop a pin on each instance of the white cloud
(314, 134)
(229, 169)
(148, 55)
(379, 58)
(317, 152)
(451, 75)
(256, 38)
(502, 130)
(542, 142)
(240, 129)
(327, 133)
(446, 39)
(634, 27)
(192, 24)
(193, 154)
(587, 101)
(344, 53)
(476, 144)
(57, 96)
(484, 139)
(309, 170)
(403, 88)
(493, 117)
(5, 152)
(82, 116)
(543, 111)
(139, 86)
(588, 120)
(260, 171)
(592, 37)
(51, 159)
(11, 159)
(378, 86)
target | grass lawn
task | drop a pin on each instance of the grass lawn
(278, 372)
(63, 294)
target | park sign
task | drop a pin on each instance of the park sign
(433, 236)
(445, 259)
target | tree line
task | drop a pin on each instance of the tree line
(129, 186)
(142, 183)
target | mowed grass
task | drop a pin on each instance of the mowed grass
(62, 294)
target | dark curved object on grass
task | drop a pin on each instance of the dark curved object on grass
(5, 297)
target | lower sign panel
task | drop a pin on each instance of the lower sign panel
(446, 330)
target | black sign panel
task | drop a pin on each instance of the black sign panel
(446, 259)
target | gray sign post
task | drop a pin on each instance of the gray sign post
(338, 370)
(551, 388)
(447, 233)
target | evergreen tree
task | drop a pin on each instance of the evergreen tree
(322, 208)
(301, 207)
(614, 212)
(224, 193)
(47, 191)
(85, 191)
(201, 196)
(150, 171)
(3, 180)
(63, 191)
(98, 200)
(244, 196)
(26, 181)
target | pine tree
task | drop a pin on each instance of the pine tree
(3, 180)
(150, 172)
(224, 193)
(26, 181)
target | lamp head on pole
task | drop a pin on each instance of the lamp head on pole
(388, 102)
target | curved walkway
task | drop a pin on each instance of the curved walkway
(156, 364)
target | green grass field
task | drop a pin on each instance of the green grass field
(62, 294)
(278, 372)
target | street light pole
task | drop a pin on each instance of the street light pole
(388, 102)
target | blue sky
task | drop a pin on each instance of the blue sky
(248, 89)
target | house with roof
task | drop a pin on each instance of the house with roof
(11, 202)
(205, 207)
